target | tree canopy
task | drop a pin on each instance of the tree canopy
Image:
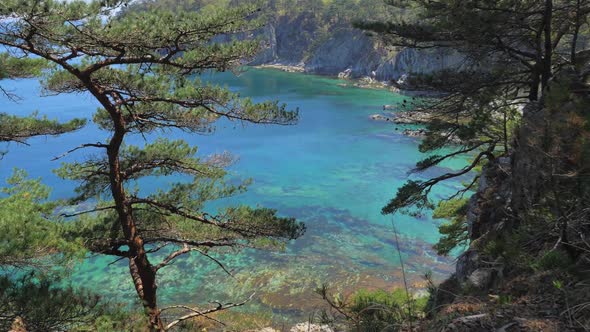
(18, 128)
(27, 226)
(511, 49)
(141, 69)
(32, 242)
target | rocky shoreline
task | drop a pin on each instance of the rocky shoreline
(282, 67)
(405, 117)
(343, 52)
(365, 82)
(402, 118)
(301, 327)
(419, 118)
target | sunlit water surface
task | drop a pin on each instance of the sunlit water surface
(334, 170)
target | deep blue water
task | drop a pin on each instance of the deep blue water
(334, 170)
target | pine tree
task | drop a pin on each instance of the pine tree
(18, 128)
(31, 235)
(28, 231)
(141, 68)
(511, 49)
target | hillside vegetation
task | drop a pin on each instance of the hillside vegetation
(513, 78)
(318, 37)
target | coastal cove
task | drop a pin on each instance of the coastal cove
(334, 170)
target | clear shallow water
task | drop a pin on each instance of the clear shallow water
(334, 170)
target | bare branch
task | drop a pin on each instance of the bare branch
(98, 209)
(185, 249)
(88, 145)
(196, 313)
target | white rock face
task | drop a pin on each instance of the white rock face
(307, 327)
(268, 53)
(350, 52)
(346, 50)
(267, 329)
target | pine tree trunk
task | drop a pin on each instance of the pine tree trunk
(534, 88)
(141, 270)
(547, 61)
(144, 280)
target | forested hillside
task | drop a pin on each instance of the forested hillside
(318, 37)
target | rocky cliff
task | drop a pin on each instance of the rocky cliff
(528, 261)
(343, 51)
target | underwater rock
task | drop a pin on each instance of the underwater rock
(289, 68)
(421, 133)
(406, 117)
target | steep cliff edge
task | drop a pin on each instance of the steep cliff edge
(527, 267)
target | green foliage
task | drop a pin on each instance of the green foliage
(483, 97)
(505, 299)
(454, 231)
(373, 310)
(410, 194)
(506, 247)
(13, 67)
(44, 304)
(258, 227)
(18, 129)
(553, 260)
(113, 318)
(380, 310)
(31, 233)
(32, 236)
(140, 67)
(44, 307)
(327, 12)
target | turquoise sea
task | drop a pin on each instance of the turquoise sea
(334, 170)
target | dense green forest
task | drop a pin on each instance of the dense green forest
(518, 109)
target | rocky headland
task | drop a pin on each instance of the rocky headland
(298, 44)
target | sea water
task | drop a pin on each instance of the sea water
(334, 170)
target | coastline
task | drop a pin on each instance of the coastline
(361, 82)
(411, 118)
(281, 67)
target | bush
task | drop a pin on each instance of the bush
(381, 310)
(553, 260)
(454, 231)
